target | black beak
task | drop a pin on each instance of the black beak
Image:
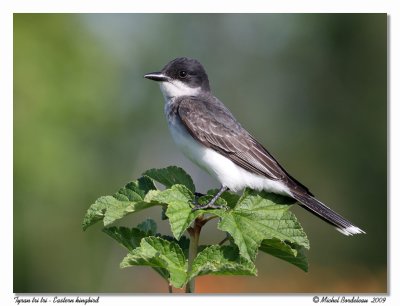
(157, 76)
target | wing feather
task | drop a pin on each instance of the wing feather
(212, 124)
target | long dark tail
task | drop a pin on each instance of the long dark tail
(328, 215)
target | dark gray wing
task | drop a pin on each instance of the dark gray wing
(211, 123)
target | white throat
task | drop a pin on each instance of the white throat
(176, 89)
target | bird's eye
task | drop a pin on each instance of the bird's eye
(182, 74)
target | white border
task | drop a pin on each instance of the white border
(8, 7)
(204, 6)
(6, 152)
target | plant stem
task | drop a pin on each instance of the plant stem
(193, 248)
(204, 221)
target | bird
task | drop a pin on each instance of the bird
(206, 131)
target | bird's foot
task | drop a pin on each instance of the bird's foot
(211, 204)
(207, 206)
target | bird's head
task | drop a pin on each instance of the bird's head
(181, 77)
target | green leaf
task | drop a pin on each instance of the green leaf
(128, 199)
(179, 210)
(135, 191)
(170, 176)
(160, 253)
(178, 199)
(289, 252)
(95, 213)
(221, 260)
(259, 216)
(118, 209)
(183, 243)
(181, 215)
(128, 237)
(175, 193)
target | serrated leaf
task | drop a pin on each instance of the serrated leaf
(259, 216)
(175, 193)
(178, 199)
(160, 253)
(179, 211)
(95, 213)
(135, 191)
(128, 237)
(289, 252)
(221, 260)
(110, 209)
(127, 200)
(131, 237)
(117, 209)
(183, 243)
(170, 176)
(181, 215)
(149, 226)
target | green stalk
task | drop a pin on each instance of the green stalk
(193, 248)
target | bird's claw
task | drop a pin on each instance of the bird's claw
(207, 206)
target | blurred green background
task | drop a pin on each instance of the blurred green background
(311, 87)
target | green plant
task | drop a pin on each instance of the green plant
(254, 221)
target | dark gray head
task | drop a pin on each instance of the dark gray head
(180, 77)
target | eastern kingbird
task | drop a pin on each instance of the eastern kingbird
(210, 136)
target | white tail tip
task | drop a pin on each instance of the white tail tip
(351, 230)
